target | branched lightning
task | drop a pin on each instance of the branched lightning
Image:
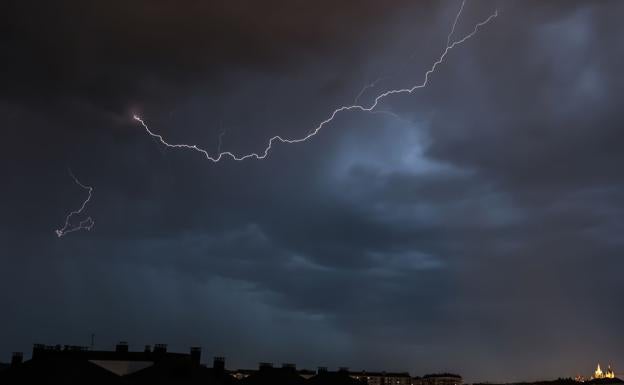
(452, 31)
(461, 9)
(354, 107)
(363, 90)
(85, 224)
(221, 134)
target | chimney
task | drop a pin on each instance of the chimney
(289, 367)
(17, 358)
(38, 351)
(196, 355)
(218, 364)
(121, 347)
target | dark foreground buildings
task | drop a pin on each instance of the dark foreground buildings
(154, 366)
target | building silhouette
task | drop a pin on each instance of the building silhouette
(56, 364)
(385, 378)
(441, 379)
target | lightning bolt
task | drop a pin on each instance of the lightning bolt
(85, 224)
(355, 107)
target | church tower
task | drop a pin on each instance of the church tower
(609, 373)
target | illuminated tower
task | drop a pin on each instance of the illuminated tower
(609, 373)
(598, 373)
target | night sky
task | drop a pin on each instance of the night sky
(473, 226)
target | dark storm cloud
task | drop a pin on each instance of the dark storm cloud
(68, 48)
(479, 229)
